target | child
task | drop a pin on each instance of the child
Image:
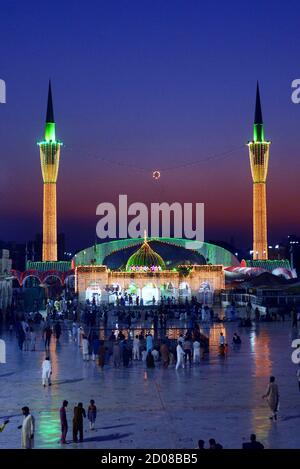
(92, 414)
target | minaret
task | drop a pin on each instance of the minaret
(259, 160)
(49, 155)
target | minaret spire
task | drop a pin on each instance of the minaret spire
(258, 130)
(50, 114)
(258, 114)
(50, 123)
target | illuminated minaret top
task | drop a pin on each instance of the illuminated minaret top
(49, 156)
(50, 123)
(258, 130)
(259, 162)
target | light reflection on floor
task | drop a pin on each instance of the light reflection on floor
(220, 398)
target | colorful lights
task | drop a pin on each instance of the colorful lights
(145, 257)
(259, 162)
(145, 268)
(216, 254)
(156, 175)
(49, 157)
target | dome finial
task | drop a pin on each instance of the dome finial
(145, 259)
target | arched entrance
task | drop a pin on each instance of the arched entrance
(149, 291)
(93, 291)
(168, 290)
(184, 291)
(33, 295)
(113, 291)
(206, 293)
(52, 285)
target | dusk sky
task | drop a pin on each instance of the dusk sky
(150, 85)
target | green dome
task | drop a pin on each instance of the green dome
(145, 259)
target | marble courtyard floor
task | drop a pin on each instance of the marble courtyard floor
(219, 399)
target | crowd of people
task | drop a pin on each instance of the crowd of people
(252, 444)
(79, 415)
(151, 346)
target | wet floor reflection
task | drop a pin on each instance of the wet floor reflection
(218, 394)
(260, 343)
(48, 429)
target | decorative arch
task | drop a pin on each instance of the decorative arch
(212, 253)
(41, 275)
(47, 275)
(206, 293)
(28, 275)
(68, 274)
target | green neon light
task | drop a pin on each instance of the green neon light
(258, 133)
(50, 131)
(215, 254)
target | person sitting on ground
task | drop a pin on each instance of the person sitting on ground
(253, 444)
(214, 445)
(201, 444)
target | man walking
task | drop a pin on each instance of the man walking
(180, 356)
(196, 351)
(187, 347)
(136, 348)
(85, 348)
(116, 354)
(47, 336)
(92, 414)
(63, 422)
(27, 435)
(46, 372)
(79, 415)
(272, 396)
(57, 329)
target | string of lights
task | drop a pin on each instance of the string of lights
(156, 174)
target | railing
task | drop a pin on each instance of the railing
(269, 299)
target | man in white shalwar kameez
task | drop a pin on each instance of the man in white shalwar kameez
(46, 372)
(79, 336)
(27, 435)
(136, 348)
(180, 356)
(196, 351)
